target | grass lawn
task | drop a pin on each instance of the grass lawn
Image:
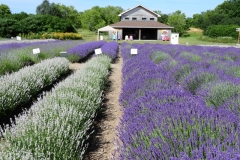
(193, 39)
(88, 35)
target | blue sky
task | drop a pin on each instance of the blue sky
(189, 7)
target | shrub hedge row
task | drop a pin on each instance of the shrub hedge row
(35, 24)
(222, 31)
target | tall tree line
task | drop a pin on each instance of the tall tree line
(227, 13)
(224, 14)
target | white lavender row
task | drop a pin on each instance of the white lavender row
(56, 127)
(17, 88)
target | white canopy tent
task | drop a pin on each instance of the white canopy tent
(107, 29)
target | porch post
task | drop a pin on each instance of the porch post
(139, 33)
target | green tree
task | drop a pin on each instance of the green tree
(92, 19)
(110, 14)
(48, 8)
(18, 16)
(8, 27)
(70, 13)
(189, 23)
(230, 8)
(4, 10)
(43, 8)
(163, 18)
(178, 21)
(97, 17)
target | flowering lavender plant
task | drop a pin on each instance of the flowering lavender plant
(16, 56)
(17, 88)
(110, 49)
(180, 102)
(85, 49)
(57, 126)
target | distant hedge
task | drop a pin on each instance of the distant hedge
(222, 31)
(34, 24)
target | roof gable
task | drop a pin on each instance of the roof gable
(139, 6)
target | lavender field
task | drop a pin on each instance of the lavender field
(14, 56)
(59, 122)
(180, 103)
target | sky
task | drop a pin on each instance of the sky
(189, 7)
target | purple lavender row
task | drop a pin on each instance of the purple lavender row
(164, 118)
(110, 49)
(85, 49)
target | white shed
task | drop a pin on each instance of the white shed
(106, 29)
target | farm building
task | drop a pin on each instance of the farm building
(139, 23)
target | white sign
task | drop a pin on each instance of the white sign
(19, 38)
(36, 51)
(98, 51)
(174, 38)
(134, 51)
(63, 54)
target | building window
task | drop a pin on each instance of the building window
(126, 18)
(144, 19)
(134, 18)
(152, 19)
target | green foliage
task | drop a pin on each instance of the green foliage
(17, 16)
(4, 10)
(8, 28)
(163, 18)
(193, 83)
(190, 56)
(74, 58)
(218, 39)
(97, 17)
(222, 31)
(45, 23)
(221, 92)
(229, 7)
(157, 57)
(227, 13)
(48, 8)
(70, 13)
(178, 21)
(183, 72)
(35, 24)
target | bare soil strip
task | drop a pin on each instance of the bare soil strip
(75, 66)
(103, 142)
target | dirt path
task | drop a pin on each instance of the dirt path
(76, 66)
(103, 143)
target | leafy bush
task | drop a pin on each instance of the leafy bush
(8, 28)
(218, 39)
(222, 31)
(35, 24)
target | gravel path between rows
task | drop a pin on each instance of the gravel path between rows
(103, 143)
